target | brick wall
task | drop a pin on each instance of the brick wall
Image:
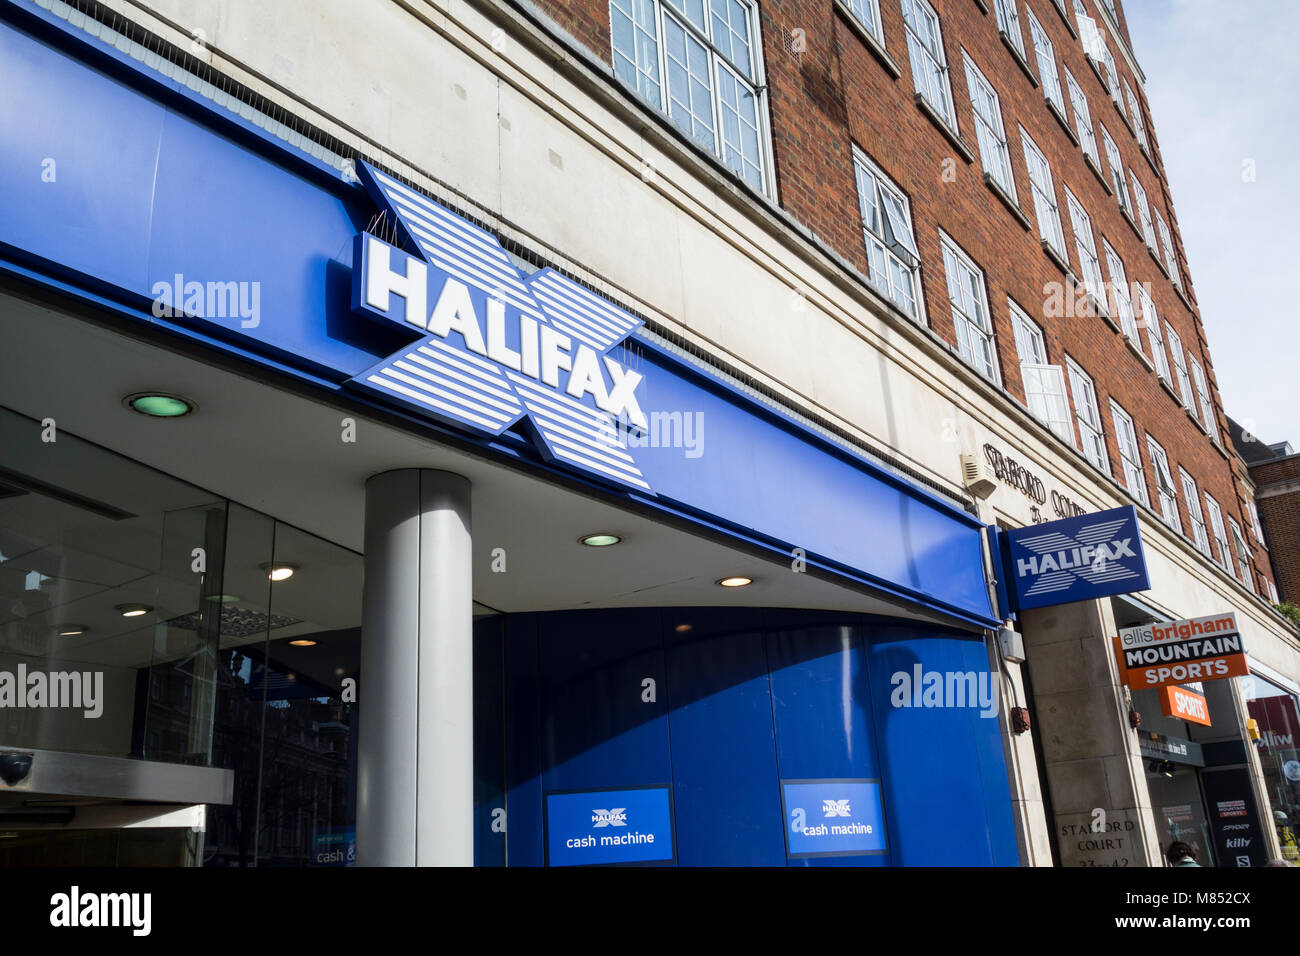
(831, 91)
(1279, 513)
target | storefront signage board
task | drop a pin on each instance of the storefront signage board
(1080, 558)
(1194, 649)
(833, 818)
(633, 825)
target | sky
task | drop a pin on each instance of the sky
(1223, 81)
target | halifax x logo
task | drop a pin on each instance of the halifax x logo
(1092, 554)
(495, 346)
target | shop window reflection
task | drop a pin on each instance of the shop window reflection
(1277, 720)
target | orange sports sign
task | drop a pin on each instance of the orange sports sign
(1181, 652)
(1184, 704)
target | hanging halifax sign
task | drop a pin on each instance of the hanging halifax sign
(1077, 559)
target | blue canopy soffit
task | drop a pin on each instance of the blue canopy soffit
(131, 190)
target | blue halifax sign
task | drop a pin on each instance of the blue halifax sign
(833, 818)
(1077, 559)
(632, 825)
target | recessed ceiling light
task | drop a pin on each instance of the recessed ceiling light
(602, 539)
(133, 610)
(303, 643)
(159, 404)
(682, 628)
(72, 630)
(279, 571)
(736, 582)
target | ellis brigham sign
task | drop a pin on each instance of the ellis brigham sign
(491, 347)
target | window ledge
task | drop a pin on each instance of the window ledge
(869, 39)
(1096, 171)
(1096, 307)
(1061, 118)
(1142, 356)
(984, 7)
(1013, 207)
(1065, 18)
(1159, 264)
(1123, 116)
(949, 133)
(1182, 295)
(1195, 420)
(1169, 387)
(1132, 224)
(1105, 313)
(1218, 446)
(1151, 159)
(1018, 56)
(1101, 77)
(1058, 259)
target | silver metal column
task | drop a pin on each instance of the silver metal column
(415, 779)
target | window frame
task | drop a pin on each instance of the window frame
(1131, 468)
(1166, 490)
(1241, 552)
(975, 78)
(1199, 537)
(1135, 115)
(1202, 386)
(1115, 160)
(1045, 53)
(1151, 319)
(1009, 23)
(1181, 374)
(1029, 338)
(939, 59)
(1214, 519)
(1082, 117)
(963, 324)
(1112, 77)
(1081, 381)
(748, 79)
(1043, 194)
(872, 26)
(1143, 211)
(1252, 512)
(1171, 254)
(1121, 298)
(1089, 262)
(888, 246)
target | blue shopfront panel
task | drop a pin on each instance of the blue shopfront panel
(942, 767)
(723, 747)
(755, 716)
(489, 754)
(576, 715)
(58, 117)
(143, 194)
(938, 556)
(821, 709)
